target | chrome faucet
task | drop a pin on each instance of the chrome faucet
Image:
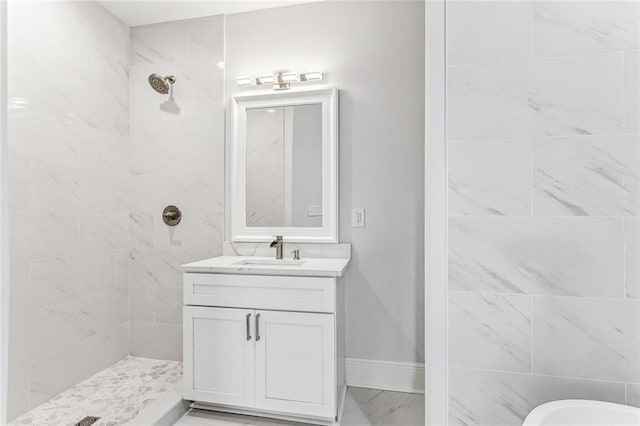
(278, 244)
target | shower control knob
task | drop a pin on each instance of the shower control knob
(171, 215)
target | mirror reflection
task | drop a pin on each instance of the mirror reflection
(284, 166)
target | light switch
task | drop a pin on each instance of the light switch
(357, 218)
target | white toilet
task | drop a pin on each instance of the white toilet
(580, 412)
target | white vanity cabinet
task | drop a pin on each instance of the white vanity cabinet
(269, 345)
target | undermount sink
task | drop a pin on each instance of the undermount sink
(275, 262)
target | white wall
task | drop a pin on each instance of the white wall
(544, 180)
(68, 161)
(374, 52)
(177, 158)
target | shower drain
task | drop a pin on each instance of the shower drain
(89, 420)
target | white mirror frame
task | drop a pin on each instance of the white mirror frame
(328, 233)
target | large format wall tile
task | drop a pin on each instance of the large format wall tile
(55, 327)
(18, 181)
(169, 305)
(632, 91)
(143, 303)
(587, 338)
(632, 257)
(54, 187)
(104, 191)
(578, 95)
(154, 340)
(199, 231)
(556, 256)
(68, 134)
(490, 177)
(44, 137)
(61, 369)
(18, 398)
(97, 272)
(478, 397)
(488, 31)
(53, 280)
(152, 193)
(52, 374)
(159, 43)
(550, 97)
(595, 175)
(100, 150)
(96, 313)
(102, 231)
(141, 229)
(177, 149)
(563, 28)
(157, 267)
(490, 331)
(489, 101)
(37, 234)
(574, 93)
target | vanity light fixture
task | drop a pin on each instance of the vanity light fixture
(290, 77)
(281, 80)
(312, 76)
(246, 81)
(268, 79)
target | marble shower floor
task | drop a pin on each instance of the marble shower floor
(117, 394)
(363, 407)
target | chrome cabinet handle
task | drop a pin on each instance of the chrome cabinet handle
(257, 327)
(248, 326)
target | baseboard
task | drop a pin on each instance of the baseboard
(385, 375)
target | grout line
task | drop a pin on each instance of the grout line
(531, 19)
(531, 325)
(584, 379)
(624, 258)
(624, 93)
(489, 139)
(29, 398)
(538, 59)
(532, 176)
(524, 216)
(554, 296)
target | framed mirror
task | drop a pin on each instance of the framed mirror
(284, 166)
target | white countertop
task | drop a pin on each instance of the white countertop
(308, 267)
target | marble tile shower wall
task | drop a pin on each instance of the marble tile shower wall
(544, 163)
(68, 150)
(177, 158)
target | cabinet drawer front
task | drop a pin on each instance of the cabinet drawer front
(311, 294)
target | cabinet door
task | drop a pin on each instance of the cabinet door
(295, 363)
(219, 355)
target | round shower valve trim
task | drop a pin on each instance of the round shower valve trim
(171, 215)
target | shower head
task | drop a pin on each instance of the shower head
(161, 84)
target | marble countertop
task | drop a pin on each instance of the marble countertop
(310, 267)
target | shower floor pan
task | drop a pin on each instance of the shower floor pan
(134, 391)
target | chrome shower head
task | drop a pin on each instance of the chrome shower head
(161, 84)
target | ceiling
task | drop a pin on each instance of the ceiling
(143, 12)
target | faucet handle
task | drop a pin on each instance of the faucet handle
(278, 237)
(296, 254)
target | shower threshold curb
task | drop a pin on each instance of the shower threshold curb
(164, 411)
